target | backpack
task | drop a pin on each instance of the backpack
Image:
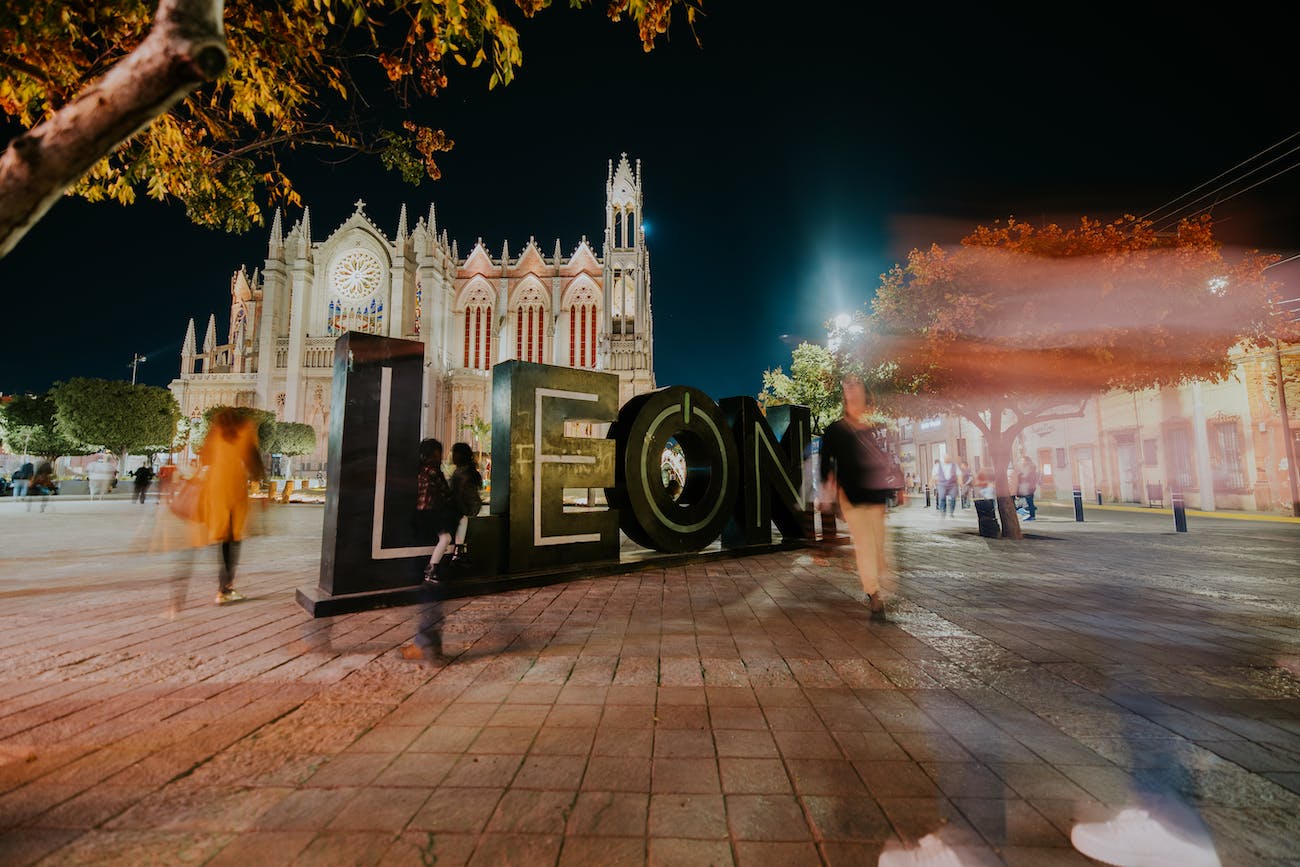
(468, 494)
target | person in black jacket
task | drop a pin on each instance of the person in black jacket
(466, 493)
(435, 521)
(143, 476)
(855, 469)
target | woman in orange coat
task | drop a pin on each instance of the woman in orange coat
(230, 459)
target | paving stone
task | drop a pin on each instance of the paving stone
(673, 852)
(457, 810)
(422, 848)
(617, 774)
(691, 816)
(766, 817)
(609, 814)
(685, 776)
(517, 850)
(605, 851)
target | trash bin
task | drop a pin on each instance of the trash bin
(987, 513)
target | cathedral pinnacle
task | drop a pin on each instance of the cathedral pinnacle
(187, 347)
(210, 339)
(401, 224)
(277, 236)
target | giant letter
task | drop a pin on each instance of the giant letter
(530, 404)
(648, 515)
(771, 473)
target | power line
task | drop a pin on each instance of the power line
(1168, 221)
(1151, 214)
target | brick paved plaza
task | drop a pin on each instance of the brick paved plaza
(743, 711)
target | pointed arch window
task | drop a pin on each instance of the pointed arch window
(582, 330)
(477, 351)
(530, 327)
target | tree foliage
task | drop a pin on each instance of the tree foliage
(292, 438)
(812, 382)
(1021, 325)
(300, 73)
(29, 427)
(116, 415)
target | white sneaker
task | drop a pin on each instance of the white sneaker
(1134, 839)
(929, 852)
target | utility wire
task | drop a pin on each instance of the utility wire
(1151, 214)
(1170, 220)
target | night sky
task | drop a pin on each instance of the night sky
(787, 162)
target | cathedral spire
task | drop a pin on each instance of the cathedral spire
(210, 339)
(276, 245)
(304, 234)
(505, 253)
(401, 224)
(187, 350)
(559, 254)
(433, 221)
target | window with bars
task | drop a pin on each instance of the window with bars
(582, 334)
(477, 351)
(1225, 443)
(530, 330)
(1178, 452)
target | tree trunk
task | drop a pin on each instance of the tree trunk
(185, 48)
(1000, 453)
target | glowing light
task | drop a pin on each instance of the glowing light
(843, 320)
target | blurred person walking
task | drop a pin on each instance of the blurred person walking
(436, 518)
(143, 475)
(42, 485)
(967, 483)
(946, 483)
(1027, 484)
(22, 479)
(466, 494)
(856, 469)
(101, 474)
(230, 460)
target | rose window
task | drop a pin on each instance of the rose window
(355, 274)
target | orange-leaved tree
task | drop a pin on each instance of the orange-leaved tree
(208, 95)
(1022, 324)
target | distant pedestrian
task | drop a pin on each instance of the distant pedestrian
(855, 469)
(22, 479)
(230, 461)
(967, 483)
(101, 474)
(166, 474)
(1027, 485)
(946, 483)
(143, 475)
(42, 485)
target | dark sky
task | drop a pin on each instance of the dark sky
(787, 163)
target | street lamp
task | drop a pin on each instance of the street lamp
(136, 360)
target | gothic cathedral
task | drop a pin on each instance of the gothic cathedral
(583, 310)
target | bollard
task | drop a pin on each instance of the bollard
(1078, 505)
(1180, 512)
(1099, 496)
(927, 496)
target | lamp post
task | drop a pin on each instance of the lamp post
(136, 360)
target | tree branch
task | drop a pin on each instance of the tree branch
(185, 48)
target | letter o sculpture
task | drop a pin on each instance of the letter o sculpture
(647, 514)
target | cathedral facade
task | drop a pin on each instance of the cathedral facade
(589, 309)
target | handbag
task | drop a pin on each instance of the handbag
(184, 502)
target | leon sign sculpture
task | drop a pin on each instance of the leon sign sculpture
(743, 472)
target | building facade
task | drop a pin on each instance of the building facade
(1222, 444)
(590, 308)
